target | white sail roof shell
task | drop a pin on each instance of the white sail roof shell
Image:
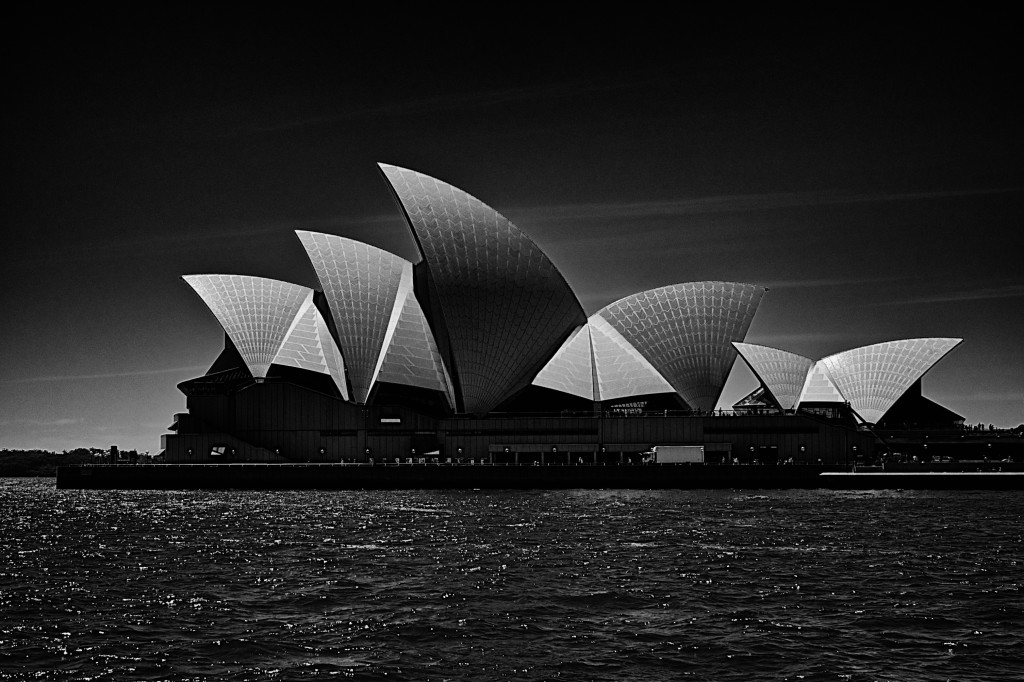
(412, 358)
(501, 304)
(819, 387)
(622, 371)
(872, 378)
(784, 374)
(361, 283)
(309, 345)
(686, 332)
(571, 368)
(671, 339)
(256, 313)
(383, 333)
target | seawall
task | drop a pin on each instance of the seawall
(455, 476)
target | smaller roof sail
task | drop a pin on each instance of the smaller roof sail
(782, 373)
(873, 377)
(362, 284)
(818, 387)
(571, 368)
(685, 331)
(412, 358)
(310, 346)
(256, 313)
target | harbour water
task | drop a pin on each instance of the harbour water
(471, 585)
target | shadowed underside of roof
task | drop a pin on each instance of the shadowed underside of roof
(504, 307)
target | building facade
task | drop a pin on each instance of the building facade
(481, 351)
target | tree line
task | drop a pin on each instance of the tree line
(44, 462)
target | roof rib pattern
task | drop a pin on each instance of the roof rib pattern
(310, 346)
(620, 368)
(873, 377)
(256, 313)
(571, 369)
(819, 388)
(505, 308)
(686, 330)
(781, 372)
(412, 357)
(361, 283)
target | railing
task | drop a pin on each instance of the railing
(440, 464)
(617, 414)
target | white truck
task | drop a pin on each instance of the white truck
(679, 454)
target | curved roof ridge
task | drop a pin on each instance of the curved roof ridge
(679, 284)
(524, 235)
(775, 348)
(913, 338)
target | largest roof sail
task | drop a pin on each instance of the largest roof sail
(500, 302)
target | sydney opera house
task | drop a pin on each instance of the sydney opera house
(482, 352)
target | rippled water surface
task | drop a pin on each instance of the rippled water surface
(459, 585)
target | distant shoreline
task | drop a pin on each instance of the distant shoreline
(40, 463)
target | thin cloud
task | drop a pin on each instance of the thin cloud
(450, 102)
(735, 203)
(594, 301)
(186, 240)
(989, 395)
(109, 375)
(67, 421)
(828, 282)
(980, 294)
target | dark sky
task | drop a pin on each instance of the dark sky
(872, 180)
